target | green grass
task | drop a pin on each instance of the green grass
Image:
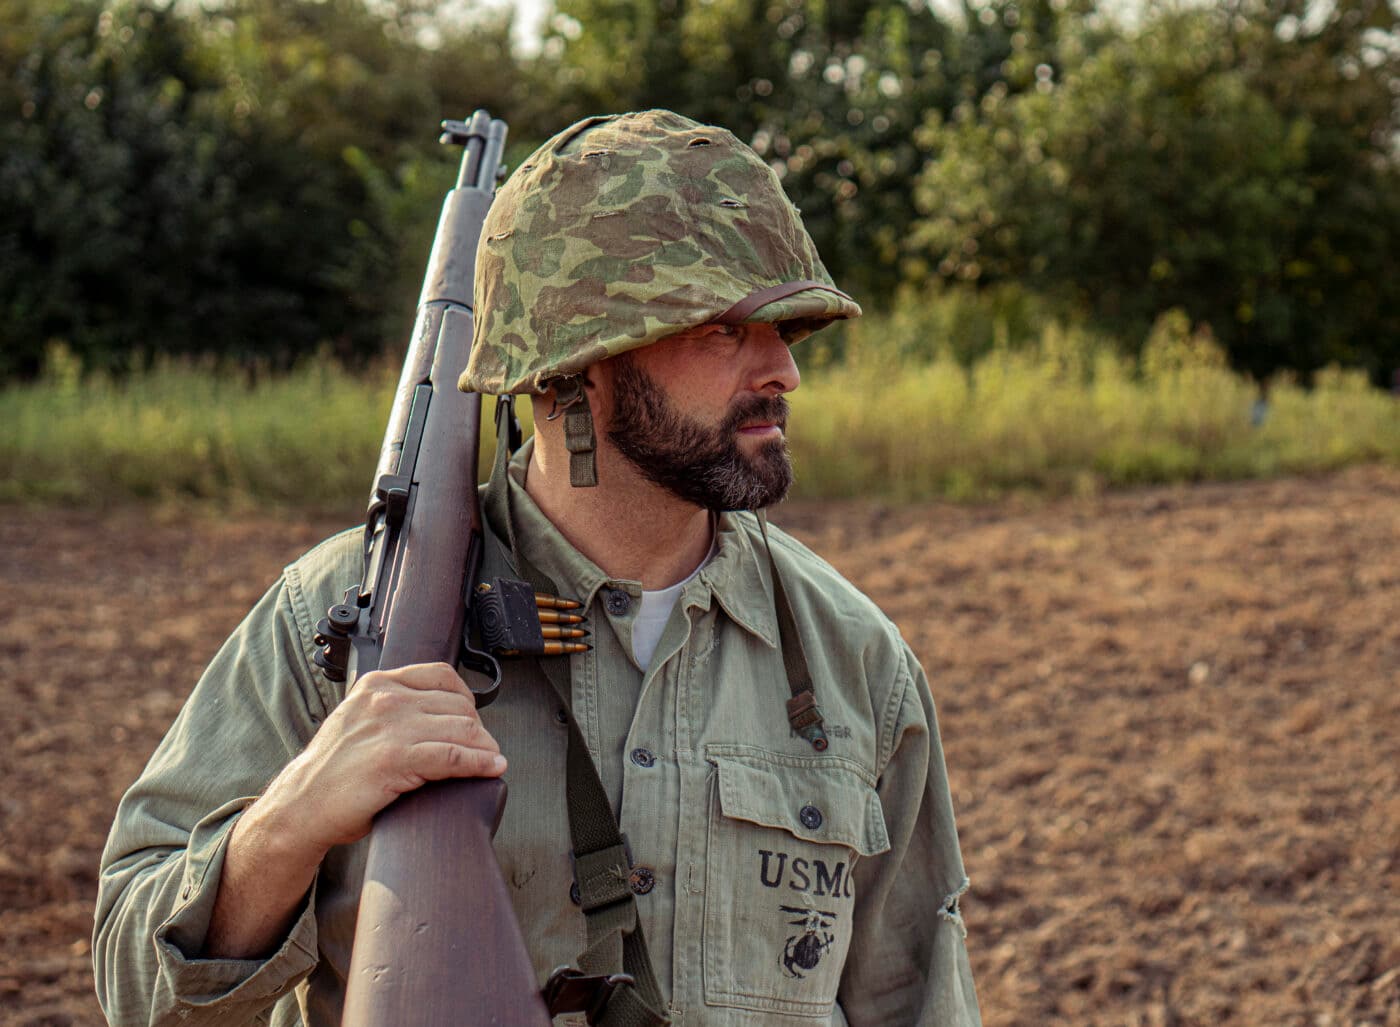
(1069, 414)
(1065, 413)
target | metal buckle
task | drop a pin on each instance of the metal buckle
(573, 991)
(568, 392)
(577, 889)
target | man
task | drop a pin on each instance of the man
(643, 276)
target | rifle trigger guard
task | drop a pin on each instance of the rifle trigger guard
(573, 991)
(488, 667)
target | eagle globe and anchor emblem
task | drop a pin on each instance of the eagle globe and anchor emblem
(805, 949)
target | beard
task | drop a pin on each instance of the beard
(695, 462)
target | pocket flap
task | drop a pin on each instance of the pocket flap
(825, 799)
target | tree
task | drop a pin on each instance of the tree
(1198, 163)
(258, 181)
(829, 92)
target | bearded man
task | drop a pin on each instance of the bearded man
(794, 858)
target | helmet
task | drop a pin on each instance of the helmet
(624, 229)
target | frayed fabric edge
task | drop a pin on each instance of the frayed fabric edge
(950, 909)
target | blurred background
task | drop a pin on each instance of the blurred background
(1117, 443)
(1098, 244)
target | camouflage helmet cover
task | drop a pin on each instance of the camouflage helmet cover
(624, 229)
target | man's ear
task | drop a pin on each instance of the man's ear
(598, 384)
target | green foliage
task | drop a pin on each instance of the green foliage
(964, 324)
(1071, 414)
(259, 179)
(186, 430)
(259, 182)
(1063, 412)
(1189, 165)
(143, 209)
(1236, 161)
(829, 92)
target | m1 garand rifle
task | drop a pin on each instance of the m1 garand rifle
(436, 941)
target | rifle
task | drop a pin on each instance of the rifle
(436, 941)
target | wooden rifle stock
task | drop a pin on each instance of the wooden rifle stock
(436, 942)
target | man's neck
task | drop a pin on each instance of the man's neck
(629, 526)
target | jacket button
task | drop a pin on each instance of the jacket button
(574, 896)
(561, 716)
(618, 602)
(811, 817)
(641, 880)
(643, 757)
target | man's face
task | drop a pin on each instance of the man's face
(702, 414)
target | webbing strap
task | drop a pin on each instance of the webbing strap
(571, 399)
(601, 861)
(602, 877)
(804, 716)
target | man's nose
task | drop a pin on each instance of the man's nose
(773, 370)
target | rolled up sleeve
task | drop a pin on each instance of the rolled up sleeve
(253, 710)
(908, 962)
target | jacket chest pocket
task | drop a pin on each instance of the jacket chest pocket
(785, 833)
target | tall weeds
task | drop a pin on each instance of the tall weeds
(895, 415)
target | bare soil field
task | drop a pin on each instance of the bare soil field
(1172, 719)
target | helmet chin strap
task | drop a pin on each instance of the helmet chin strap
(571, 400)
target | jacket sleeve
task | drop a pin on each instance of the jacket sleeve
(254, 708)
(908, 961)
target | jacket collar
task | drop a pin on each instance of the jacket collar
(738, 577)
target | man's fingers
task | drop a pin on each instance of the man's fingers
(424, 677)
(455, 729)
(435, 761)
(432, 677)
(441, 704)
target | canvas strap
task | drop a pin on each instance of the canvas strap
(602, 862)
(571, 400)
(804, 716)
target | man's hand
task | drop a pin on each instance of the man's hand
(396, 730)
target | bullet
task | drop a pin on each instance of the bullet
(563, 632)
(565, 648)
(548, 602)
(554, 617)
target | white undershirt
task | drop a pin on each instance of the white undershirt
(654, 612)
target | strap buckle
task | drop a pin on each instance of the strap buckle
(805, 718)
(573, 991)
(568, 393)
(603, 879)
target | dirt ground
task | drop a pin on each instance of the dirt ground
(1172, 720)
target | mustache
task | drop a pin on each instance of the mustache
(756, 408)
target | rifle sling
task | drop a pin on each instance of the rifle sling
(804, 716)
(601, 858)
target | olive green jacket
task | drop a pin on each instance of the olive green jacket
(787, 887)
